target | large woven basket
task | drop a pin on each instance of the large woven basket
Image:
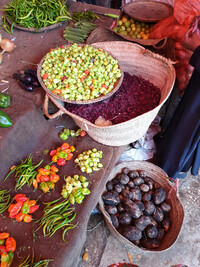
(176, 214)
(139, 61)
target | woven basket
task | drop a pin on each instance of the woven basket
(176, 214)
(91, 101)
(139, 61)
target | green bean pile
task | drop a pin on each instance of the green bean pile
(84, 15)
(29, 262)
(80, 31)
(56, 215)
(5, 200)
(36, 13)
(25, 173)
(80, 73)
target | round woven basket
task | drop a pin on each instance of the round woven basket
(34, 30)
(149, 11)
(176, 214)
(116, 84)
(138, 61)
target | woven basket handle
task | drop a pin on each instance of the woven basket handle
(175, 187)
(161, 43)
(46, 112)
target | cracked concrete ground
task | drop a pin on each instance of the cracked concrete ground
(104, 249)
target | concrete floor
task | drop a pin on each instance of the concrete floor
(104, 249)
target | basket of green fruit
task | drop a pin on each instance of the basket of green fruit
(137, 19)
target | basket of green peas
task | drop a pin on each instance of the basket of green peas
(79, 74)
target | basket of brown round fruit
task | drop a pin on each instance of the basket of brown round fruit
(140, 206)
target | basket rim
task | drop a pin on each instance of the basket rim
(95, 100)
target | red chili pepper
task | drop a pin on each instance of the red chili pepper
(61, 162)
(33, 208)
(45, 76)
(86, 72)
(105, 86)
(63, 78)
(82, 133)
(4, 235)
(82, 79)
(10, 244)
(2, 250)
(62, 47)
(90, 87)
(15, 209)
(44, 178)
(19, 217)
(20, 197)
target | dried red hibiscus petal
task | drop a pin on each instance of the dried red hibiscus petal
(135, 97)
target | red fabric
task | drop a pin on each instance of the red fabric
(186, 10)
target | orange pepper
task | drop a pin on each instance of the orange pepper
(4, 235)
(10, 207)
(10, 244)
(38, 176)
(54, 168)
(35, 183)
(31, 202)
(69, 156)
(65, 146)
(56, 91)
(72, 148)
(54, 158)
(43, 171)
(27, 218)
(54, 178)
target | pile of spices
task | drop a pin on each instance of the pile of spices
(135, 97)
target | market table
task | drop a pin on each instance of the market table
(32, 133)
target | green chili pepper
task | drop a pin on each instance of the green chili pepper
(47, 167)
(5, 120)
(62, 154)
(64, 134)
(4, 100)
(11, 256)
(2, 241)
(85, 191)
(79, 199)
(44, 187)
(7, 258)
(25, 208)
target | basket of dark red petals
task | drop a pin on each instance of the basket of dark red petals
(141, 207)
(125, 117)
